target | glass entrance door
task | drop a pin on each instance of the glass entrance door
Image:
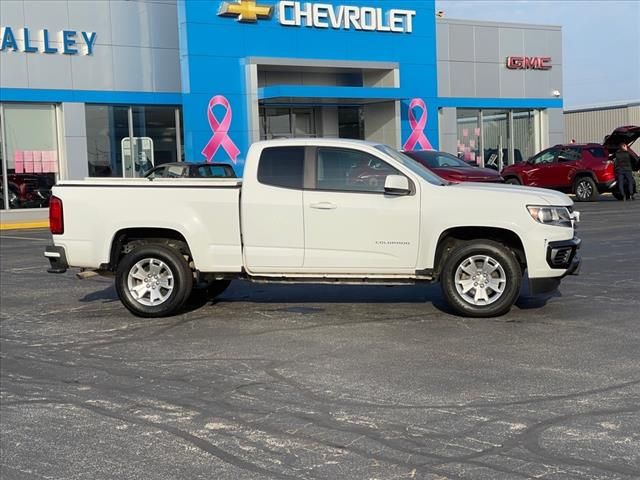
(351, 122)
(279, 122)
(495, 125)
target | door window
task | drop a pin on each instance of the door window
(569, 155)
(282, 167)
(544, 157)
(351, 170)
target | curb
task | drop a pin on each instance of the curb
(24, 225)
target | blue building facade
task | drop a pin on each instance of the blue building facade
(347, 51)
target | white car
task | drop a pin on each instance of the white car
(301, 215)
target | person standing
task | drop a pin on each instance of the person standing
(624, 172)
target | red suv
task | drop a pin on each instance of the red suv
(582, 169)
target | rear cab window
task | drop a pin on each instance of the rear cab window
(282, 167)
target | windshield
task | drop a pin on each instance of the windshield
(438, 159)
(412, 165)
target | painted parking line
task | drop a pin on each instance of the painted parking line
(24, 225)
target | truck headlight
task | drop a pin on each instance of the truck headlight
(558, 216)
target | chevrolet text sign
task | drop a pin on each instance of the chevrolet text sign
(324, 15)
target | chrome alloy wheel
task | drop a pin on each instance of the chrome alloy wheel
(480, 280)
(150, 282)
(584, 189)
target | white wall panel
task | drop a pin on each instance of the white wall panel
(483, 47)
(13, 70)
(93, 72)
(12, 12)
(136, 46)
(92, 16)
(49, 71)
(51, 14)
(132, 70)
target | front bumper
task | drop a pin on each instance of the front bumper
(57, 258)
(564, 255)
(560, 255)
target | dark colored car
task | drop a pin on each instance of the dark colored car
(191, 170)
(451, 168)
(583, 169)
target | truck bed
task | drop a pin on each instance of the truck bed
(205, 211)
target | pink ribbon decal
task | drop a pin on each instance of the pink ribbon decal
(220, 131)
(417, 137)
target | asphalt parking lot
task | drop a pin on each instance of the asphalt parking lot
(299, 382)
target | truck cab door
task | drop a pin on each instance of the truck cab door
(271, 212)
(351, 225)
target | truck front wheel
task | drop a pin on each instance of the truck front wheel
(153, 281)
(481, 278)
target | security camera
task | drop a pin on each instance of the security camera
(556, 93)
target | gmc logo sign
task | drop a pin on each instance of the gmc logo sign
(529, 63)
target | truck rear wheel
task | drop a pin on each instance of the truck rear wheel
(481, 278)
(153, 281)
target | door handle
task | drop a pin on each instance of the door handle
(324, 206)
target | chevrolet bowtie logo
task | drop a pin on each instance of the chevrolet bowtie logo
(245, 10)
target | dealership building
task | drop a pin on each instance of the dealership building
(112, 87)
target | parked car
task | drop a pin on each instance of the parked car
(191, 170)
(452, 169)
(26, 190)
(583, 169)
(627, 134)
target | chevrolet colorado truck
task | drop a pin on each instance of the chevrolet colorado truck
(301, 214)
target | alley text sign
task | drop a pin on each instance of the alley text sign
(68, 42)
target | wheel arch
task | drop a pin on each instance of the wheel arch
(580, 174)
(515, 176)
(455, 235)
(144, 235)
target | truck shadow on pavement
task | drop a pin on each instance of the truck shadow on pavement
(294, 297)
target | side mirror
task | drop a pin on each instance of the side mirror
(397, 185)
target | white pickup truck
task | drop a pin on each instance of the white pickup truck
(315, 211)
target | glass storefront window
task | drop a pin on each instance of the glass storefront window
(524, 135)
(106, 127)
(496, 138)
(4, 198)
(495, 131)
(468, 138)
(110, 129)
(31, 147)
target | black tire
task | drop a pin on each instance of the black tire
(169, 262)
(512, 181)
(509, 273)
(585, 189)
(217, 287)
